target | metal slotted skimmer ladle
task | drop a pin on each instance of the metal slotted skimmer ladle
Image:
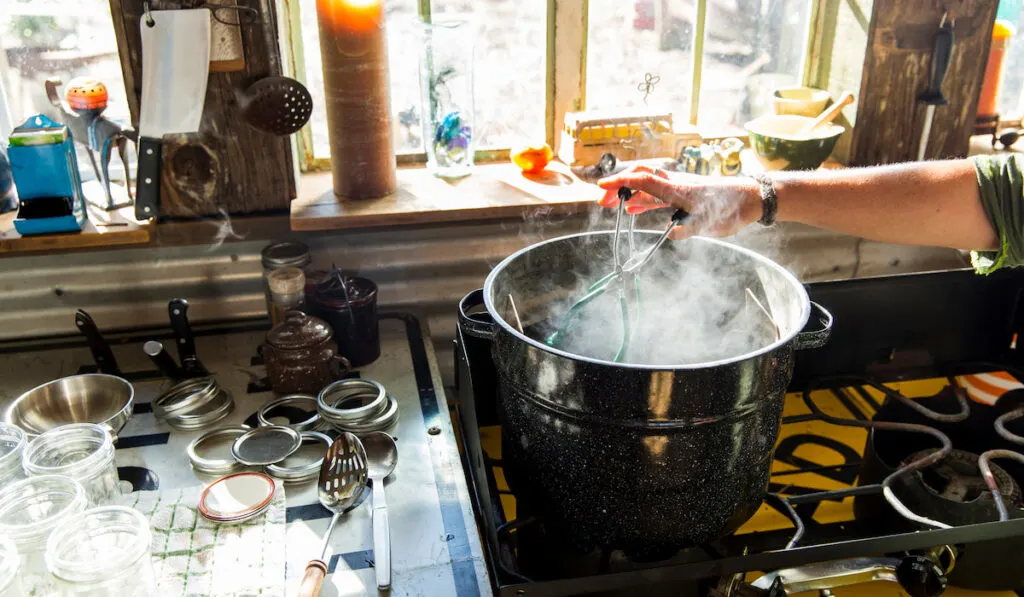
(625, 273)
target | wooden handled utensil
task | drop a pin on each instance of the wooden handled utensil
(829, 114)
(342, 481)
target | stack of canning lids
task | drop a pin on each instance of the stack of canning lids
(193, 404)
(237, 498)
(357, 405)
(272, 447)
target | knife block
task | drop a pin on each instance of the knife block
(897, 65)
(228, 166)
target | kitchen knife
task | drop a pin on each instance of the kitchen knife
(177, 309)
(942, 53)
(101, 353)
(175, 67)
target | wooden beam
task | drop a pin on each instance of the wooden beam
(566, 63)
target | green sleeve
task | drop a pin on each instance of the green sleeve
(1001, 184)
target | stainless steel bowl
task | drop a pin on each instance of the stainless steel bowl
(90, 398)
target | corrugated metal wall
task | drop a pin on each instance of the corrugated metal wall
(426, 269)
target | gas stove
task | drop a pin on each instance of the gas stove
(882, 472)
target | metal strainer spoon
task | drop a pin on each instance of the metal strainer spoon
(342, 480)
(276, 105)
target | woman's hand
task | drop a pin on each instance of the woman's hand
(718, 205)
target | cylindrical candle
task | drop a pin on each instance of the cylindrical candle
(355, 63)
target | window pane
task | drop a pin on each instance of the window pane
(403, 49)
(509, 72)
(751, 47)
(65, 39)
(630, 38)
(1011, 96)
(510, 51)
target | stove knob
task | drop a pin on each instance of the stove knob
(920, 577)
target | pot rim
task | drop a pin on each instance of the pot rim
(805, 311)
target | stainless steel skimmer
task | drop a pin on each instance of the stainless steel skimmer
(342, 480)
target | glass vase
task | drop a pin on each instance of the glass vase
(446, 87)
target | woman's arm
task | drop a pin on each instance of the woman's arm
(925, 203)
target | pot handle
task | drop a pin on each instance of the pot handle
(817, 337)
(339, 366)
(478, 325)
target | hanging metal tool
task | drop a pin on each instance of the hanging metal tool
(942, 53)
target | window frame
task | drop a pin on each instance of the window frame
(565, 68)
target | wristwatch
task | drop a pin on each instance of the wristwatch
(769, 200)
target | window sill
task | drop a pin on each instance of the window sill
(493, 191)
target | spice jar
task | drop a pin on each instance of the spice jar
(29, 510)
(103, 551)
(349, 306)
(82, 451)
(12, 444)
(287, 292)
(10, 576)
(282, 254)
(300, 356)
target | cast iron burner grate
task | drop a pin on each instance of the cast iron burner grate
(525, 559)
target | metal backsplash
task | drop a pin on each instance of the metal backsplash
(421, 269)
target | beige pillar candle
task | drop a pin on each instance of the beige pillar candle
(355, 63)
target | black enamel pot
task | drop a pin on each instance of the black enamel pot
(640, 457)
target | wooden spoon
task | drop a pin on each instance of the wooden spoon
(829, 114)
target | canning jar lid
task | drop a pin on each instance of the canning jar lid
(299, 330)
(185, 396)
(265, 445)
(285, 253)
(98, 544)
(52, 498)
(237, 498)
(77, 450)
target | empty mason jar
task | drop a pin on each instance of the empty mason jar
(103, 551)
(29, 510)
(12, 444)
(82, 451)
(10, 575)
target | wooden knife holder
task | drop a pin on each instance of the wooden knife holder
(228, 166)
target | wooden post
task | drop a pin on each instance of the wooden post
(896, 70)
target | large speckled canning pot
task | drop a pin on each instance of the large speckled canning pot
(643, 458)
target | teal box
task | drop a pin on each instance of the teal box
(42, 172)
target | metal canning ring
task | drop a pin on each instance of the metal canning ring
(215, 466)
(185, 396)
(304, 472)
(385, 419)
(348, 389)
(302, 401)
(204, 418)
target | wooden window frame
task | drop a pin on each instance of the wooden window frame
(565, 68)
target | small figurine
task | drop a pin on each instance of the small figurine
(729, 151)
(82, 112)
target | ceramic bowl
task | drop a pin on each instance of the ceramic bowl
(779, 145)
(800, 101)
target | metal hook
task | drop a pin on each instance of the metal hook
(149, 14)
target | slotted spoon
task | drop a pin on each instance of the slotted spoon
(276, 105)
(342, 480)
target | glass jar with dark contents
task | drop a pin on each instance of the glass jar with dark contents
(349, 305)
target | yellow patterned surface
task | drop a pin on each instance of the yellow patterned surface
(767, 518)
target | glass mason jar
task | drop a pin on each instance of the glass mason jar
(446, 89)
(82, 451)
(103, 551)
(12, 444)
(29, 510)
(282, 254)
(10, 575)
